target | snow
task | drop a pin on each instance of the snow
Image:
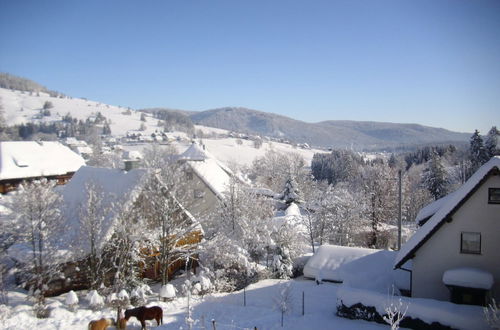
(118, 187)
(228, 151)
(428, 310)
(469, 278)
(194, 153)
(123, 295)
(14, 101)
(167, 291)
(225, 308)
(212, 172)
(359, 267)
(71, 298)
(213, 175)
(132, 155)
(293, 211)
(28, 159)
(425, 231)
(430, 209)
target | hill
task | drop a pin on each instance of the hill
(9, 81)
(23, 99)
(333, 133)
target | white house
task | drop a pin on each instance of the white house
(30, 160)
(455, 254)
(208, 179)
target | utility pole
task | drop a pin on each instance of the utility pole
(400, 221)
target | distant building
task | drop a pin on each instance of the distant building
(29, 160)
(454, 255)
(78, 146)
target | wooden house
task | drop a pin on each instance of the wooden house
(120, 193)
(29, 160)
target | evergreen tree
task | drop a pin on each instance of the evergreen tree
(435, 178)
(478, 153)
(47, 105)
(491, 143)
(393, 162)
(291, 193)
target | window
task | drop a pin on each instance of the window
(470, 243)
(494, 196)
(189, 175)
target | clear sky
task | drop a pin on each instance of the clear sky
(432, 62)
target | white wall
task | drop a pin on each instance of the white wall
(442, 251)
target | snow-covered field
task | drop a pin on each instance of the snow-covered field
(21, 107)
(227, 310)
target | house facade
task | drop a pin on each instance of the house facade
(207, 180)
(455, 254)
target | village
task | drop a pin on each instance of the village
(250, 165)
(184, 231)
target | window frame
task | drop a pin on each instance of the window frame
(490, 194)
(462, 249)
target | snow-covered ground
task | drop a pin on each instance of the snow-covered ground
(21, 107)
(227, 310)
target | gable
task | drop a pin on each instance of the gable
(445, 213)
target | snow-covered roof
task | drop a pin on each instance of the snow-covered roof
(30, 159)
(213, 173)
(358, 267)
(468, 278)
(446, 210)
(132, 155)
(194, 153)
(83, 150)
(430, 209)
(117, 187)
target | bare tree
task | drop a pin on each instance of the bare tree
(93, 214)
(284, 300)
(380, 192)
(167, 218)
(40, 221)
(275, 168)
(492, 315)
(395, 311)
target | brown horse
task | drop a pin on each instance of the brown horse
(101, 324)
(144, 313)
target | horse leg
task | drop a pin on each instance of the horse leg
(143, 323)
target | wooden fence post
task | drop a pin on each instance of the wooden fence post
(213, 325)
(303, 302)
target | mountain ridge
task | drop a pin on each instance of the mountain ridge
(359, 135)
(329, 133)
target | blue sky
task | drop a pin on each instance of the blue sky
(432, 62)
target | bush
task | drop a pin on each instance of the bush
(47, 105)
